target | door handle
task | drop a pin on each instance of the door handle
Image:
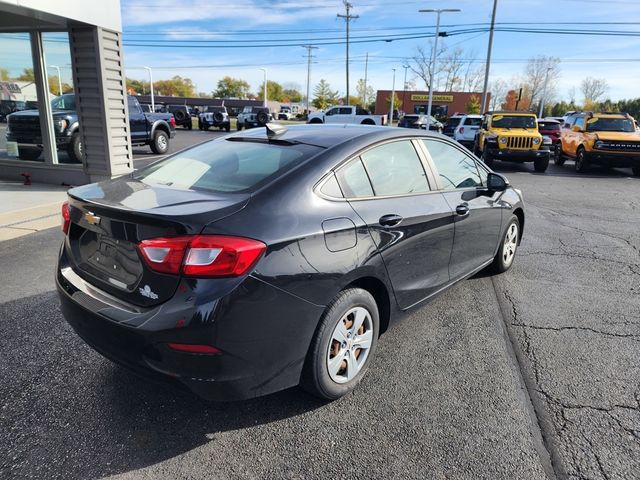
(390, 220)
(462, 209)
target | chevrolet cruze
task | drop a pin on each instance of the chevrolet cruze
(277, 257)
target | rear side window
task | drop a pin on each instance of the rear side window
(227, 166)
(455, 168)
(354, 181)
(472, 122)
(395, 169)
(452, 122)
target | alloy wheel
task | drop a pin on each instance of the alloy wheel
(510, 244)
(350, 345)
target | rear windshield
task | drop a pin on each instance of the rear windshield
(215, 109)
(453, 122)
(596, 124)
(227, 166)
(548, 126)
(472, 121)
(513, 121)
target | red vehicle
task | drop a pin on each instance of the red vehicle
(551, 128)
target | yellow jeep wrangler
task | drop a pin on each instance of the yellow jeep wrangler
(512, 137)
(606, 139)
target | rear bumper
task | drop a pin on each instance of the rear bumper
(263, 334)
(518, 155)
(612, 160)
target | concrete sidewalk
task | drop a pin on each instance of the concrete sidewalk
(25, 209)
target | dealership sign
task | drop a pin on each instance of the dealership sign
(436, 98)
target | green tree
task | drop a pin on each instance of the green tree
(176, 86)
(323, 95)
(138, 86)
(397, 103)
(274, 91)
(4, 74)
(473, 105)
(27, 75)
(229, 87)
(364, 95)
(292, 95)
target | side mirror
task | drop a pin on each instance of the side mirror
(576, 128)
(497, 182)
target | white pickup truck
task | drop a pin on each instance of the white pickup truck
(347, 114)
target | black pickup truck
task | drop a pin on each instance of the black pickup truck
(153, 129)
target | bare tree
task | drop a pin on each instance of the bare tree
(498, 89)
(421, 63)
(534, 78)
(593, 89)
(572, 95)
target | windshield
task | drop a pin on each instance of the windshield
(610, 125)
(226, 166)
(64, 102)
(548, 126)
(513, 121)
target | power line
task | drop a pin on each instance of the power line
(347, 18)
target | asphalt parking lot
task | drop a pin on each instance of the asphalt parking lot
(532, 374)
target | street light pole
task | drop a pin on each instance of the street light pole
(544, 92)
(404, 86)
(153, 101)
(485, 88)
(59, 78)
(264, 93)
(437, 11)
(309, 48)
(393, 95)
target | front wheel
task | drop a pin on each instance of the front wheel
(540, 164)
(559, 157)
(636, 170)
(487, 159)
(160, 142)
(508, 246)
(227, 127)
(343, 345)
(239, 126)
(74, 150)
(581, 162)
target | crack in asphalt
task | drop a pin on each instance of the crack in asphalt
(630, 336)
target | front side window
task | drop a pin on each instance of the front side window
(226, 166)
(395, 169)
(579, 122)
(455, 168)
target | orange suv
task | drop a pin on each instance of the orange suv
(606, 139)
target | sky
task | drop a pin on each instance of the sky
(254, 22)
(206, 40)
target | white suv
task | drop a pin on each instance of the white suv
(465, 131)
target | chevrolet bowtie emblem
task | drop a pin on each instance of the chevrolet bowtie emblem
(91, 218)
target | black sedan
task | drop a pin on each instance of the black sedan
(420, 121)
(277, 257)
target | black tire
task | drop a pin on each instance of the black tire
(218, 117)
(262, 118)
(200, 125)
(559, 157)
(368, 121)
(315, 120)
(487, 159)
(315, 374)
(636, 170)
(190, 125)
(228, 127)
(29, 153)
(476, 148)
(582, 164)
(238, 126)
(540, 164)
(500, 263)
(74, 149)
(180, 115)
(160, 142)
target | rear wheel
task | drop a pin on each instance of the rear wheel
(582, 164)
(541, 164)
(262, 118)
(239, 126)
(559, 157)
(508, 246)
(636, 170)
(315, 120)
(160, 142)
(476, 148)
(228, 127)
(343, 345)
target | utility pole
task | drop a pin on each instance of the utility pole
(153, 103)
(393, 96)
(309, 48)
(485, 88)
(264, 93)
(404, 85)
(433, 56)
(544, 92)
(364, 94)
(347, 18)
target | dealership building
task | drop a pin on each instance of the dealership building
(445, 104)
(46, 48)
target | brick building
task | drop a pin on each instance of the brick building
(445, 104)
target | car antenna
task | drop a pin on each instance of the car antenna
(275, 130)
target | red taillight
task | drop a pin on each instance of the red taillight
(461, 129)
(66, 217)
(202, 255)
(172, 121)
(191, 348)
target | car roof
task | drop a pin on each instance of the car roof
(548, 120)
(510, 112)
(327, 136)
